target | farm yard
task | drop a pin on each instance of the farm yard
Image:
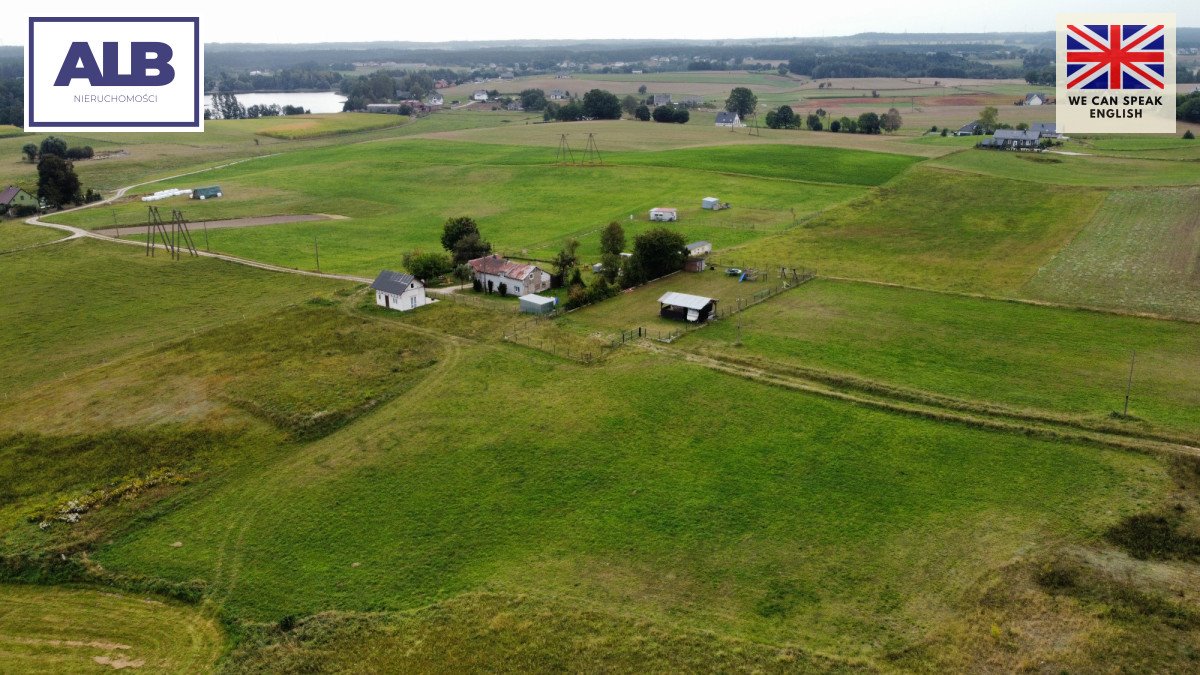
(921, 459)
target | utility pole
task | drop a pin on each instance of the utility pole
(1129, 384)
(317, 252)
(204, 224)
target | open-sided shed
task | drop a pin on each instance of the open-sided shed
(537, 304)
(686, 307)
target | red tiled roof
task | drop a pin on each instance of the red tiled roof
(497, 266)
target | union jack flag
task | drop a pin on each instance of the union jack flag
(1115, 56)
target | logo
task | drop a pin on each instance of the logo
(1115, 56)
(1116, 73)
(114, 74)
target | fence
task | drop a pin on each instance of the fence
(542, 334)
(791, 279)
(467, 297)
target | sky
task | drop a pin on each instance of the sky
(369, 20)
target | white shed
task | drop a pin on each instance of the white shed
(399, 291)
(537, 304)
(710, 203)
(664, 214)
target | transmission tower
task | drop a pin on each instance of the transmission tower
(181, 234)
(564, 156)
(753, 131)
(592, 154)
(155, 229)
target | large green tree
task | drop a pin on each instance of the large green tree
(457, 228)
(656, 252)
(426, 266)
(868, 123)
(533, 99)
(57, 182)
(601, 105)
(989, 118)
(741, 101)
(470, 247)
(53, 145)
(891, 120)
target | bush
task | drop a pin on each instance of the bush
(476, 285)
(23, 210)
(91, 196)
(835, 126)
(1189, 135)
(84, 152)
(642, 113)
(426, 266)
(671, 114)
(502, 289)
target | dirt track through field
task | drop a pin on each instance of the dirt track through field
(226, 224)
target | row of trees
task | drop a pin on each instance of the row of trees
(1187, 108)
(305, 76)
(597, 104)
(667, 113)
(866, 123)
(53, 145)
(226, 106)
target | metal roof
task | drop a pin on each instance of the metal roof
(725, 117)
(1016, 135)
(698, 244)
(537, 299)
(392, 282)
(9, 194)
(696, 302)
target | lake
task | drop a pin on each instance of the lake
(317, 102)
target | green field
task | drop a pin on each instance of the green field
(1051, 169)
(45, 630)
(15, 235)
(1140, 252)
(1020, 356)
(935, 229)
(394, 195)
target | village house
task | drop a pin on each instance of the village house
(402, 292)
(662, 99)
(518, 279)
(479, 95)
(556, 94)
(435, 100)
(729, 119)
(14, 197)
(697, 254)
(970, 129)
(1012, 139)
(1045, 129)
(1034, 98)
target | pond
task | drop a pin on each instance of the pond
(313, 101)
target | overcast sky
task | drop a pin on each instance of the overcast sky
(361, 20)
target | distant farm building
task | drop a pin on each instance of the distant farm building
(556, 94)
(685, 307)
(1045, 129)
(519, 279)
(479, 95)
(506, 76)
(435, 100)
(664, 214)
(210, 192)
(1012, 139)
(662, 99)
(1035, 98)
(14, 197)
(697, 251)
(691, 101)
(729, 119)
(537, 304)
(970, 129)
(402, 292)
(388, 108)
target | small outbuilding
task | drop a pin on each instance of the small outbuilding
(664, 214)
(210, 192)
(729, 119)
(402, 292)
(686, 307)
(537, 304)
(710, 203)
(698, 249)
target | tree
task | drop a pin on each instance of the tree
(656, 253)
(782, 70)
(814, 123)
(30, 151)
(671, 114)
(629, 105)
(455, 229)
(988, 117)
(551, 112)
(821, 113)
(891, 120)
(868, 123)
(642, 113)
(470, 247)
(476, 285)
(642, 90)
(227, 107)
(426, 266)
(945, 132)
(783, 118)
(567, 259)
(741, 101)
(835, 126)
(502, 289)
(53, 145)
(1189, 135)
(849, 126)
(57, 182)
(612, 238)
(601, 105)
(533, 99)
(463, 272)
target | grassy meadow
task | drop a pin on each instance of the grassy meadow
(1021, 356)
(935, 229)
